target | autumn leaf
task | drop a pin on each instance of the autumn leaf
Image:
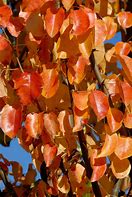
(99, 103)
(15, 26)
(63, 184)
(109, 145)
(5, 14)
(10, 120)
(126, 63)
(111, 27)
(80, 99)
(123, 149)
(34, 124)
(126, 92)
(53, 21)
(125, 19)
(49, 152)
(28, 86)
(127, 120)
(100, 31)
(122, 48)
(3, 88)
(68, 4)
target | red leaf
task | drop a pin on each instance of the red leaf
(126, 92)
(28, 86)
(124, 148)
(68, 4)
(15, 26)
(53, 21)
(50, 82)
(10, 120)
(114, 118)
(82, 20)
(5, 14)
(34, 124)
(120, 168)
(80, 99)
(32, 5)
(99, 103)
(49, 153)
(125, 19)
(109, 145)
(99, 166)
(5, 51)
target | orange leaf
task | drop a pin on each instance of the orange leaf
(68, 4)
(80, 99)
(32, 5)
(82, 20)
(5, 14)
(34, 124)
(127, 65)
(99, 103)
(114, 119)
(53, 21)
(3, 88)
(28, 86)
(125, 19)
(51, 124)
(124, 148)
(15, 26)
(10, 120)
(128, 120)
(100, 31)
(109, 145)
(122, 48)
(120, 168)
(77, 69)
(50, 82)
(111, 27)
(126, 92)
(49, 153)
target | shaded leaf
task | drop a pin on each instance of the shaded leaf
(120, 168)
(114, 119)
(16, 170)
(10, 120)
(124, 148)
(3, 88)
(99, 103)
(34, 124)
(63, 184)
(15, 26)
(68, 4)
(28, 86)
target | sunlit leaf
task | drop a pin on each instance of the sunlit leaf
(122, 48)
(124, 148)
(111, 27)
(10, 120)
(50, 82)
(49, 153)
(109, 145)
(99, 103)
(100, 31)
(28, 86)
(34, 124)
(53, 21)
(114, 118)
(127, 120)
(125, 19)
(126, 92)
(82, 20)
(80, 99)
(120, 168)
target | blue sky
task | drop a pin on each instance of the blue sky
(16, 153)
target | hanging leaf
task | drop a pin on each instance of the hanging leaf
(82, 20)
(34, 124)
(100, 31)
(28, 87)
(122, 48)
(126, 92)
(124, 148)
(53, 21)
(50, 82)
(99, 103)
(15, 26)
(10, 120)
(114, 119)
(109, 145)
(3, 88)
(120, 168)
(63, 184)
(127, 120)
(111, 27)
(49, 153)
(125, 19)
(126, 63)
(80, 99)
